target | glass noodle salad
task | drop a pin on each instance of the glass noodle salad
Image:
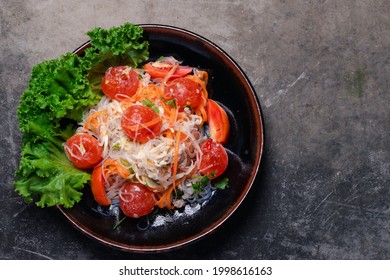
(155, 139)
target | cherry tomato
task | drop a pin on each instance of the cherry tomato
(120, 82)
(83, 150)
(141, 123)
(160, 70)
(97, 187)
(214, 159)
(186, 92)
(136, 200)
(218, 121)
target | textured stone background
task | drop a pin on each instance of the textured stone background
(321, 71)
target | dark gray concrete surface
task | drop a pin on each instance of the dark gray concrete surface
(321, 71)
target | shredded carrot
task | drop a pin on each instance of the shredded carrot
(95, 120)
(147, 124)
(168, 133)
(151, 91)
(174, 113)
(112, 167)
(202, 75)
(201, 111)
(166, 107)
(166, 198)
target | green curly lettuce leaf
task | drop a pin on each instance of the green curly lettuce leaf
(45, 174)
(47, 177)
(121, 45)
(58, 93)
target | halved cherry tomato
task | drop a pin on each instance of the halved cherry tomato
(214, 159)
(120, 82)
(141, 123)
(136, 200)
(186, 92)
(83, 150)
(218, 121)
(97, 187)
(160, 70)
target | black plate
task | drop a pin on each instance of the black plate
(227, 85)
